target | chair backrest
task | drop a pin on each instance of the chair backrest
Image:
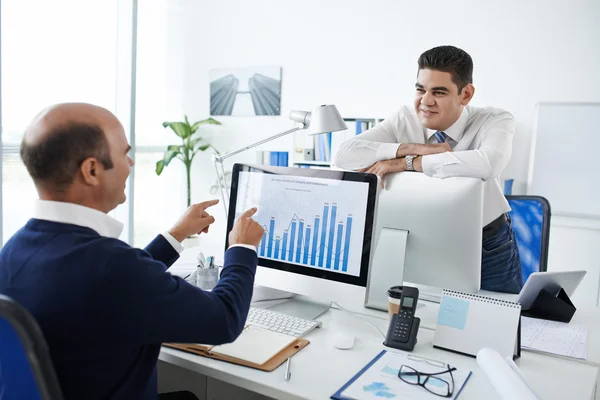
(26, 371)
(531, 222)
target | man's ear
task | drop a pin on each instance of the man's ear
(467, 94)
(91, 171)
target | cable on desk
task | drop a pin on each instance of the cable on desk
(359, 317)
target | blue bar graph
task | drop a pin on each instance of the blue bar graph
(291, 253)
(347, 243)
(284, 248)
(320, 244)
(262, 244)
(313, 253)
(277, 245)
(306, 244)
(322, 249)
(271, 235)
(338, 247)
(299, 245)
(331, 234)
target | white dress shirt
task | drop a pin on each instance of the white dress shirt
(481, 142)
(101, 223)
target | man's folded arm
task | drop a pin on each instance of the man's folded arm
(486, 162)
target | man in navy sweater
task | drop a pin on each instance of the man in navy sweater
(103, 306)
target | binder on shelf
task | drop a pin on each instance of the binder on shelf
(275, 158)
(467, 323)
(255, 348)
(282, 159)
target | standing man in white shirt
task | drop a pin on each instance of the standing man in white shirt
(442, 136)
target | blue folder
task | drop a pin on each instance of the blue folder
(338, 395)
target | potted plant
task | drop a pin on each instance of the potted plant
(191, 144)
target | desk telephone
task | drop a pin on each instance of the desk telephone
(403, 328)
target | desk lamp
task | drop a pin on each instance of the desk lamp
(322, 119)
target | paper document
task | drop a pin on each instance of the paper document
(255, 345)
(554, 337)
(380, 380)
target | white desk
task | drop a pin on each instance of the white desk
(320, 369)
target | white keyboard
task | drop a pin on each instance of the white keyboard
(278, 322)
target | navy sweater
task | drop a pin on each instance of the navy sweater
(105, 307)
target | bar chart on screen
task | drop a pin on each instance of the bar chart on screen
(313, 222)
(321, 241)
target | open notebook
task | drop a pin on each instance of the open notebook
(255, 347)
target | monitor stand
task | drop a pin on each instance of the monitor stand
(264, 293)
(387, 267)
(302, 307)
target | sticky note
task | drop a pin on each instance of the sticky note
(453, 312)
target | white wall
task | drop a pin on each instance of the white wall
(361, 56)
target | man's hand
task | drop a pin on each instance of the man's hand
(422, 149)
(246, 230)
(381, 168)
(194, 220)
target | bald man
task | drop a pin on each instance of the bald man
(103, 306)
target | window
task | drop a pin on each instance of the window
(158, 200)
(70, 55)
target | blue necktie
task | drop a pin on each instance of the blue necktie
(440, 137)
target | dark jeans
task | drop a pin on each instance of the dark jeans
(177, 396)
(500, 262)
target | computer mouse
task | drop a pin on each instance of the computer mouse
(343, 341)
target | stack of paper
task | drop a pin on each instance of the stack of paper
(554, 337)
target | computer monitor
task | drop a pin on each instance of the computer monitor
(428, 234)
(318, 229)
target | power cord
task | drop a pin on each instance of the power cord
(355, 315)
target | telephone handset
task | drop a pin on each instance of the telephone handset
(404, 326)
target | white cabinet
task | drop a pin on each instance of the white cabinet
(575, 245)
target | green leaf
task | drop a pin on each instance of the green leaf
(187, 121)
(167, 157)
(181, 129)
(208, 121)
(174, 147)
(194, 142)
(160, 165)
(203, 148)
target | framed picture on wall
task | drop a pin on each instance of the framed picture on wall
(245, 91)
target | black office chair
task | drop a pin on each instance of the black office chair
(531, 222)
(26, 371)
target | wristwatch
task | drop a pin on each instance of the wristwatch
(409, 162)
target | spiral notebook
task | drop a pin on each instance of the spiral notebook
(467, 323)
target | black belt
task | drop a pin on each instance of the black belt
(491, 228)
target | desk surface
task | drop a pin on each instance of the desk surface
(320, 369)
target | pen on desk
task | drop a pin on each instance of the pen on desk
(288, 371)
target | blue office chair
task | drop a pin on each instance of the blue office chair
(531, 222)
(26, 371)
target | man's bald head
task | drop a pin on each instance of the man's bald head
(60, 138)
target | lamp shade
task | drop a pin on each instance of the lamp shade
(325, 119)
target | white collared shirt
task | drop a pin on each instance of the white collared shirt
(481, 142)
(101, 223)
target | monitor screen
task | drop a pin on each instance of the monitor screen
(317, 222)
